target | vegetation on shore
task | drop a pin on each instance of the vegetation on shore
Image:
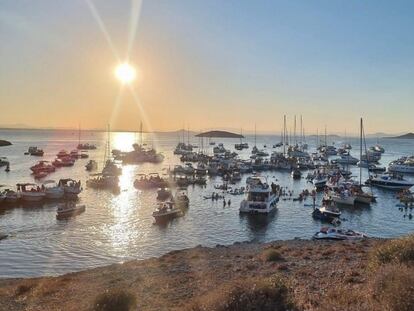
(366, 275)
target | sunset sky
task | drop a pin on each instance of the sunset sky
(208, 64)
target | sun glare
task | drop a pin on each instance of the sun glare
(125, 73)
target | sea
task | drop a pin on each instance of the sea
(117, 227)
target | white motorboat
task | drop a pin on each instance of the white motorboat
(30, 192)
(390, 181)
(260, 198)
(338, 234)
(320, 181)
(53, 190)
(11, 196)
(166, 211)
(343, 198)
(346, 159)
(404, 165)
(71, 187)
(69, 209)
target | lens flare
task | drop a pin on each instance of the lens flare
(125, 73)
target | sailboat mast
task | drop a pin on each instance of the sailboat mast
(79, 134)
(301, 130)
(294, 131)
(360, 153)
(284, 134)
(255, 134)
(140, 132)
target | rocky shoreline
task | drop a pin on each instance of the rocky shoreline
(179, 279)
(4, 143)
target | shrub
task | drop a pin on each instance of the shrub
(393, 287)
(272, 255)
(23, 289)
(394, 251)
(271, 294)
(115, 300)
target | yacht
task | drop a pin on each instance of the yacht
(111, 169)
(320, 180)
(71, 187)
(344, 197)
(403, 165)
(30, 192)
(260, 198)
(347, 159)
(53, 190)
(326, 213)
(390, 181)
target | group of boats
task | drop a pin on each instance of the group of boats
(48, 190)
(63, 159)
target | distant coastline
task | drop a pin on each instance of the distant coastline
(405, 136)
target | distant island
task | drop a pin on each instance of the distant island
(405, 136)
(220, 134)
(4, 143)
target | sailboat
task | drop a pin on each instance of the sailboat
(108, 179)
(360, 195)
(85, 146)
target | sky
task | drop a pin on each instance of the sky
(208, 64)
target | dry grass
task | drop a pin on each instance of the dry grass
(394, 251)
(271, 254)
(115, 300)
(272, 294)
(393, 287)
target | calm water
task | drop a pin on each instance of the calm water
(119, 227)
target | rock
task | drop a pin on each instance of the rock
(4, 143)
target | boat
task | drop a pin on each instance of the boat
(71, 187)
(390, 182)
(163, 194)
(403, 165)
(338, 234)
(86, 146)
(326, 213)
(34, 151)
(166, 211)
(343, 197)
(4, 161)
(10, 196)
(69, 209)
(91, 165)
(65, 161)
(319, 181)
(111, 169)
(260, 199)
(62, 154)
(181, 199)
(52, 190)
(346, 159)
(150, 181)
(30, 192)
(43, 166)
(103, 182)
(296, 174)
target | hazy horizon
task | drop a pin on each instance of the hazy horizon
(208, 64)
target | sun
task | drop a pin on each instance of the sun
(125, 73)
